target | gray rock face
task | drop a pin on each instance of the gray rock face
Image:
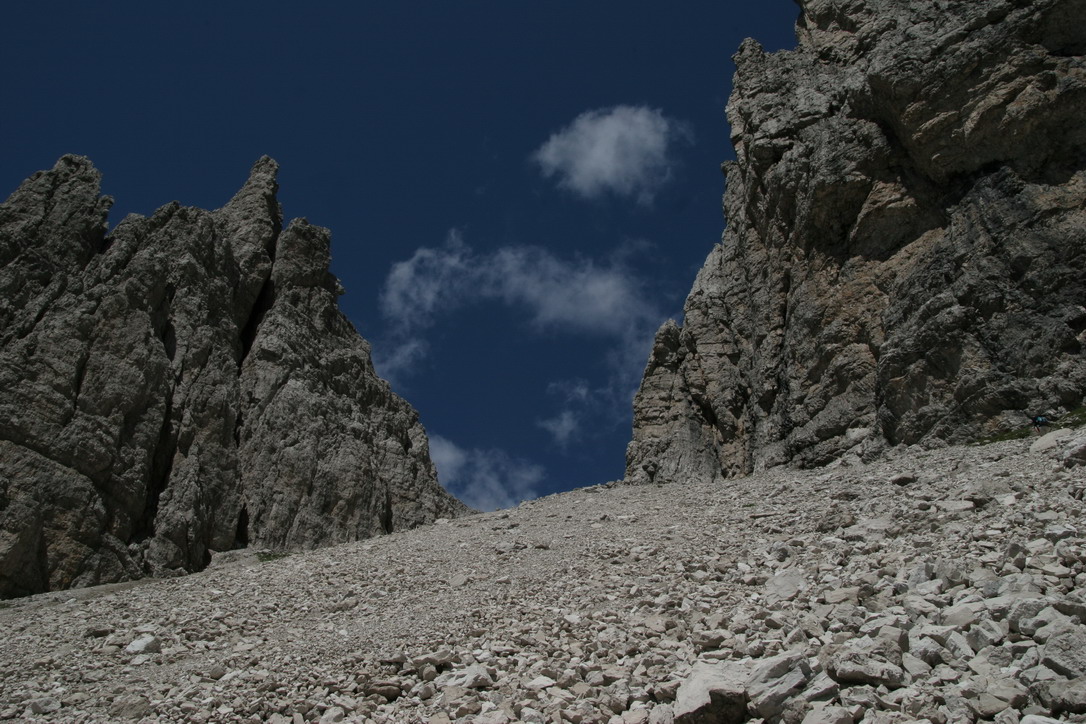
(903, 261)
(184, 385)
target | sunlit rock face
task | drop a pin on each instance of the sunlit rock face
(904, 254)
(183, 385)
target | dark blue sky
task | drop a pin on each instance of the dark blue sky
(545, 176)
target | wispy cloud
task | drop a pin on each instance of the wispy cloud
(624, 150)
(562, 426)
(398, 356)
(598, 297)
(484, 479)
(570, 390)
(416, 290)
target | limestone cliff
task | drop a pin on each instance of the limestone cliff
(182, 385)
(905, 252)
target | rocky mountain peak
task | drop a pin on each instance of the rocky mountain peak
(55, 223)
(184, 385)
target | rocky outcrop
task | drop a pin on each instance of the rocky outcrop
(182, 385)
(904, 255)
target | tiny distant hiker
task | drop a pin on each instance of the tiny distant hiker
(1039, 421)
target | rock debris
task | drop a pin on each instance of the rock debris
(944, 585)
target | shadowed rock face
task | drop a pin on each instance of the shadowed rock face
(186, 384)
(904, 257)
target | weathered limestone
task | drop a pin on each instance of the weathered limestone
(903, 261)
(184, 385)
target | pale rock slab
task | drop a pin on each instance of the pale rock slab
(712, 693)
(1050, 440)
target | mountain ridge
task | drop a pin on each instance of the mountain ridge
(185, 384)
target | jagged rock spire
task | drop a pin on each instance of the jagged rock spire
(187, 385)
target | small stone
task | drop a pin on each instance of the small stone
(712, 693)
(332, 715)
(774, 680)
(784, 586)
(827, 714)
(1064, 696)
(472, 677)
(1065, 652)
(390, 690)
(540, 682)
(1060, 531)
(963, 616)
(130, 706)
(955, 506)
(842, 595)
(145, 644)
(47, 705)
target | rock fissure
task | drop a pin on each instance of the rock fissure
(162, 457)
(263, 303)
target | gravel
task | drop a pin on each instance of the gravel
(944, 585)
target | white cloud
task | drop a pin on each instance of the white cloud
(416, 289)
(570, 390)
(625, 150)
(601, 298)
(395, 359)
(562, 426)
(578, 293)
(484, 479)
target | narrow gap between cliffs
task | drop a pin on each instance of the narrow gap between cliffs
(161, 469)
(241, 537)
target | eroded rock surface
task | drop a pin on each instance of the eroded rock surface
(904, 256)
(186, 384)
